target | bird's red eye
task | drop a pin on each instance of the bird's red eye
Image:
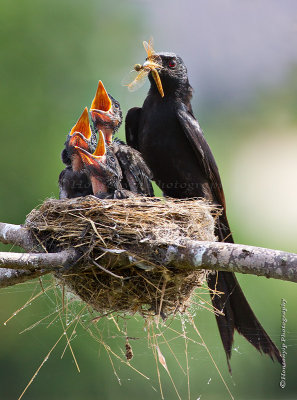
(172, 64)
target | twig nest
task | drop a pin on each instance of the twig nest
(122, 245)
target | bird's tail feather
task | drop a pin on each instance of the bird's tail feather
(238, 315)
(235, 307)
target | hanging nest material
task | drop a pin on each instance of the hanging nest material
(119, 243)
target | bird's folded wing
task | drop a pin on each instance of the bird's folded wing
(135, 171)
(202, 151)
(131, 126)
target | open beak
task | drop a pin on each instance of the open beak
(101, 106)
(153, 67)
(77, 139)
(82, 126)
(99, 155)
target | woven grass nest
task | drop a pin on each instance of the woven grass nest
(125, 238)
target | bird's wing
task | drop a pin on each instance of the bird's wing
(65, 157)
(231, 300)
(202, 151)
(131, 126)
(74, 184)
(136, 174)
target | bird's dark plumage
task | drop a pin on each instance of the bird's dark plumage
(136, 174)
(74, 184)
(107, 116)
(172, 144)
(104, 171)
(73, 181)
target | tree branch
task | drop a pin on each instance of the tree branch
(219, 256)
(20, 267)
(37, 261)
(17, 235)
(10, 277)
(216, 256)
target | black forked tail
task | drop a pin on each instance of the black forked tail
(238, 315)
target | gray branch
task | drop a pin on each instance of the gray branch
(219, 256)
(10, 277)
(17, 235)
(216, 256)
(37, 261)
(21, 267)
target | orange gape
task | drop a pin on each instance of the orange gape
(101, 100)
(94, 160)
(82, 125)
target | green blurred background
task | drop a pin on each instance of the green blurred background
(242, 64)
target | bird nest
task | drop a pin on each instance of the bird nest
(121, 246)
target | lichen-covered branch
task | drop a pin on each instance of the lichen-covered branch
(37, 261)
(231, 257)
(191, 255)
(10, 277)
(20, 267)
(17, 235)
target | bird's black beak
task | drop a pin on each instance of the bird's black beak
(81, 132)
(153, 67)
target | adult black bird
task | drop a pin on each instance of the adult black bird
(73, 180)
(172, 143)
(106, 116)
(103, 171)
